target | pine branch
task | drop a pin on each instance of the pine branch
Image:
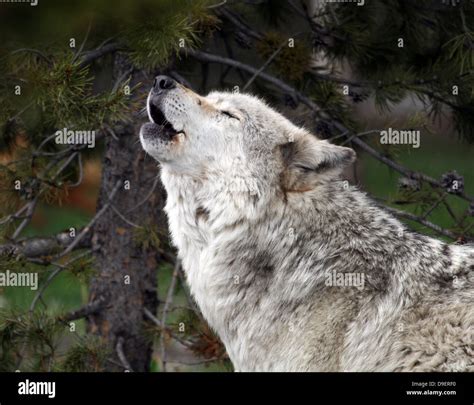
(385, 92)
(52, 276)
(422, 221)
(92, 56)
(168, 302)
(162, 330)
(121, 354)
(240, 24)
(43, 246)
(87, 228)
(403, 170)
(396, 166)
(211, 58)
(91, 308)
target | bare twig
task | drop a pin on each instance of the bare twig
(420, 220)
(16, 215)
(217, 5)
(433, 206)
(313, 106)
(42, 246)
(69, 159)
(152, 190)
(27, 219)
(124, 219)
(112, 132)
(83, 312)
(199, 362)
(70, 247)
(91, 222)
(264, 66)
(81, 172)
(401, 169)
(168, 302)
(157, 323)
(78, 53)
(242, 26)
(40, 292)
(52, 276)
(32, 204)
(91, 56)
(44, 142)
(210, 58)
(187, 294)
(121, 354)
(122, 78)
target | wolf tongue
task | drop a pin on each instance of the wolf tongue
(168, 130)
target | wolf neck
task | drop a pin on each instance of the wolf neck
(219, 238)
(202, 211)
(183, 208)
(200, 208)
(330, 219)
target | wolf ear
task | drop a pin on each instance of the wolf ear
(308, 161)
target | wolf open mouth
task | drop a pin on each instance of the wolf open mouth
(157, 117)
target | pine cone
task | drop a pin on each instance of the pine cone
(406, 183)
(453, 182)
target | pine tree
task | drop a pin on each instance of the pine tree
(318, 61)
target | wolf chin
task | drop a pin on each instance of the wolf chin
(260, 221)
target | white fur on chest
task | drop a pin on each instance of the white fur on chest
(191, 236)
(211, 285)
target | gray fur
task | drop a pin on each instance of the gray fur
(261, 222)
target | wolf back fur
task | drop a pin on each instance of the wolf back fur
(261, 220)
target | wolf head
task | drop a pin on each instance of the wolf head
(227, 132)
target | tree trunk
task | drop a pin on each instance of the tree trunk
(126, 271)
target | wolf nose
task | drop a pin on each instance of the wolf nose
(163, 83)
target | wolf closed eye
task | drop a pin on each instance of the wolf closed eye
(230, 115)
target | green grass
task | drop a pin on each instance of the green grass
(57, 219)
(65, 293)
(434, 158)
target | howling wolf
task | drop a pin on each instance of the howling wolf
(294, 269)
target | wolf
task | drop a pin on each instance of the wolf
(265, 228)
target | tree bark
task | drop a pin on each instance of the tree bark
(126, 272)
